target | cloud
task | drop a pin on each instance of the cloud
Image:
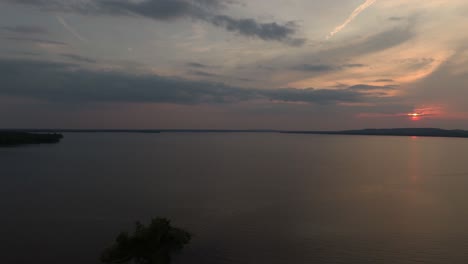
(214, 75)
(70, 29)
(365, 87)
(265, 31)
(384, 80)
(312, 95)
(23, 29)
(37, 40)
(205, 10)
(325, 67)
(314, 67)
(396, 18)
(204, 73)
(354, 65)
(366, 52)
(197, 65)
(26, 53)
(350, 19)
(417, 63)
(78, 58)
(66, 82)
(378, 42)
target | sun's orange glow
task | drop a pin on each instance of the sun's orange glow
(418, 113)
(415, 116)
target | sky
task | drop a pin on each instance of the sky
(233, 64)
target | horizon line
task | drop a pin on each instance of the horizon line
(209, 129)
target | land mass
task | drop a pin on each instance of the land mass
(14, 138)
(418, 132)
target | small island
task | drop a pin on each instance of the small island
(14, 138)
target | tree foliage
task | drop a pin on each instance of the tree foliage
(152, 244)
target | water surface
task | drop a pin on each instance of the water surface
(248, 198)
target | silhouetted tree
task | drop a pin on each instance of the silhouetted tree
(153, 244)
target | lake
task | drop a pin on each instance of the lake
(247, 197)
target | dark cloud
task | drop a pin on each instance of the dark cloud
(396, 18)
(252, 28)
(329, 59)
(365, 87)
(197, 65)
(384, 80)
(314, 67)
(312, 95)
(65, 82)
(206, 10)
(354, 65)
(22, 29)
(78, 58)
(204, 73)
(372, 44)
(25, 53)
(37, 40)
(383, 41)
(266, 67)
(417, 63)
(155, 9)
(214, 75)
(246, 79)
(325, 67)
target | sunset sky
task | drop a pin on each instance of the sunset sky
(233, 64)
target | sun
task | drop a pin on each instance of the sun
(415, 116)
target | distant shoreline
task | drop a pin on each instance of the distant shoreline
(419, 132)
(402, 132)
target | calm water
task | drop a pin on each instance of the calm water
(248, 198)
